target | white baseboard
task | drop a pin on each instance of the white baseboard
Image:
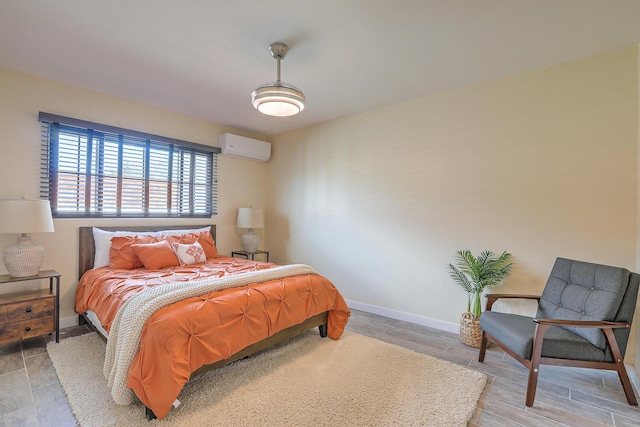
(407, 317)
(68, 321)
(398, 315)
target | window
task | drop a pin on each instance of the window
(94, 170)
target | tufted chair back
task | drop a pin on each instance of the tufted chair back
(578, 290)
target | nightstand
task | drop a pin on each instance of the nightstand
(250, 254)
(31, 313)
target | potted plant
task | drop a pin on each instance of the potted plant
(475, 274)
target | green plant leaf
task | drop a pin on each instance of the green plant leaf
(474, 274)
(460, 278)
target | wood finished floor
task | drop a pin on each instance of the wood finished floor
(31, 395)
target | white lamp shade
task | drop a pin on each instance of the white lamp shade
(22, 216)
(19, 216)
(250, 218)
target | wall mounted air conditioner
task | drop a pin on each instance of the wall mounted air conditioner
(243, 147)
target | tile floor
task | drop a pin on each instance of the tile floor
(30, 393)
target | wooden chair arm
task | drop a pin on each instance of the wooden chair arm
(492, 298)
(582, 323)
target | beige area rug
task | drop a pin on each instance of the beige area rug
(307, 381)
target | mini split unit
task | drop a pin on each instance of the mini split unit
(245, 148)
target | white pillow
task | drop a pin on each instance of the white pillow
(102, 241)
(174, 232)
(190, 253)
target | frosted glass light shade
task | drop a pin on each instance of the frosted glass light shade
(278, 99)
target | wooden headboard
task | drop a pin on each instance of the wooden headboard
(87, 249)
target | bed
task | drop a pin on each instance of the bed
(165, 323)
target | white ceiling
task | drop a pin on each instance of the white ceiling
(204, 57)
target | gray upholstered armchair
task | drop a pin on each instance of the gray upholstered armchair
(583, 320)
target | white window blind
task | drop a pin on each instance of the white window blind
(95, 170)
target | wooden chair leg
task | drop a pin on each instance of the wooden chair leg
(483, 347)
(534, 366)
(626, 384)
(532, 384)
(622, 371)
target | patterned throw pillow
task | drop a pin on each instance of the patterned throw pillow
(189, 253)
(203, 238)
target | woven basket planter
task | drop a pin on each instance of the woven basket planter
(470, 332)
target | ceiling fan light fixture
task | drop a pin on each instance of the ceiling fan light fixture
(278, 98)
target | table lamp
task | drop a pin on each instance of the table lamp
(250, 218)
(22, 216)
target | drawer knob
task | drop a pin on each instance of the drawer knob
(28, 310)
(27, 329)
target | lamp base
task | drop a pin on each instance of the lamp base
(250, 241)
(23, 259)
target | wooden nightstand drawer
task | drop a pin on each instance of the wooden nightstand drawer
(25, 310)
(26, 329)
(30, 313)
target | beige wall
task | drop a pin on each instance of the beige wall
(23, 96)
(542, 164)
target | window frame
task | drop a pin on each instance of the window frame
(145, 152)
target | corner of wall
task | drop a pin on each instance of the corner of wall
(635, 331)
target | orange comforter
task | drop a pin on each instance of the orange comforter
(184, 336)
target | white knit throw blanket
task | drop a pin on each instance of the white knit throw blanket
(126, 329)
